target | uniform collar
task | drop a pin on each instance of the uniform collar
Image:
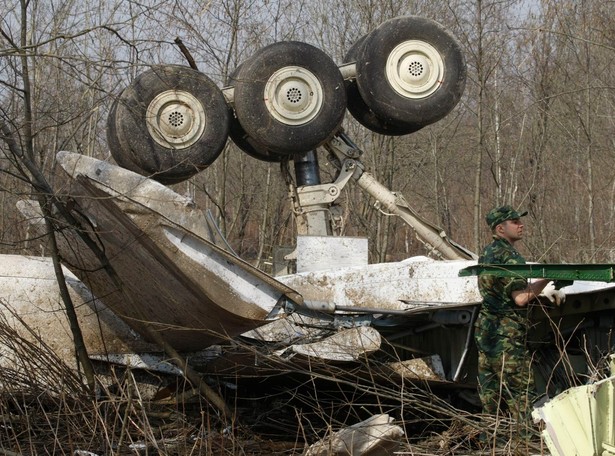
(501, 239)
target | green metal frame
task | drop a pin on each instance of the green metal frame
(592, 272)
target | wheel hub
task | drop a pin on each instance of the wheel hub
(415, 69)
(293, 95)
(175, 119)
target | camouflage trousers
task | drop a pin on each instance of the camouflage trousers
(505, 376)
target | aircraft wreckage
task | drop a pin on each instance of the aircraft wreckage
(161, 266)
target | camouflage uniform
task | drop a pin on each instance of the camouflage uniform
(504, 371)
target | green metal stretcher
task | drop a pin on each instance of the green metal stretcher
(564, 272)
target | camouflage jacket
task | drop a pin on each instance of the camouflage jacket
(497, 291)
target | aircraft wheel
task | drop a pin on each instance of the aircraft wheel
(113, 140)
(411, 71)
(170, 123)
(289, 97)
(361, 111)
(242, 140)
(247, 144)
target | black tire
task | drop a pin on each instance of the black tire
(113, 142)
(290, 97)
(246, 144)
(361, 111)
(242, 140)
(433, 77)
(169, 124)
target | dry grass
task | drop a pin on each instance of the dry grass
(45, 408)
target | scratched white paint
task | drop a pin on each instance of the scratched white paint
(315, 253)
(246, 286)
(419, 280)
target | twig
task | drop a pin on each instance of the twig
(184, 50)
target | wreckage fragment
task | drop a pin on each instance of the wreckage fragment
(376, 436)
(428, 368)
(168, 275)
(581, 420)
(411, 284)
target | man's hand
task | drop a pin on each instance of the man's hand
(554, 293)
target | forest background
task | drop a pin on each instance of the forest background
(534, 127)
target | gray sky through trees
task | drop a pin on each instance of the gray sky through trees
(538, 105)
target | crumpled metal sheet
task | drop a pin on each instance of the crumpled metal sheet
(418, 282)
(581, 420)
(163, 273)
(427, 368)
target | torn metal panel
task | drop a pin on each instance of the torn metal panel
(159, 362)
(293, 328)
(580, 420)
(143, 195)
(147, 361)
(164, 275)
(137, 195)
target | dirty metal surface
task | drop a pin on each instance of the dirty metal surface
(160, 275)
(137, 195)
(29, 289)
(415, 283)
(325, 252)
(427, 368)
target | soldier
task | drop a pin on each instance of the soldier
(504, 371)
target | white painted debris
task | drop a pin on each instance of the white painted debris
(580, 421)
(147, 361)
(376, 436)
(169, 276)
(409, 284)
(293, 328)
(29, 289)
